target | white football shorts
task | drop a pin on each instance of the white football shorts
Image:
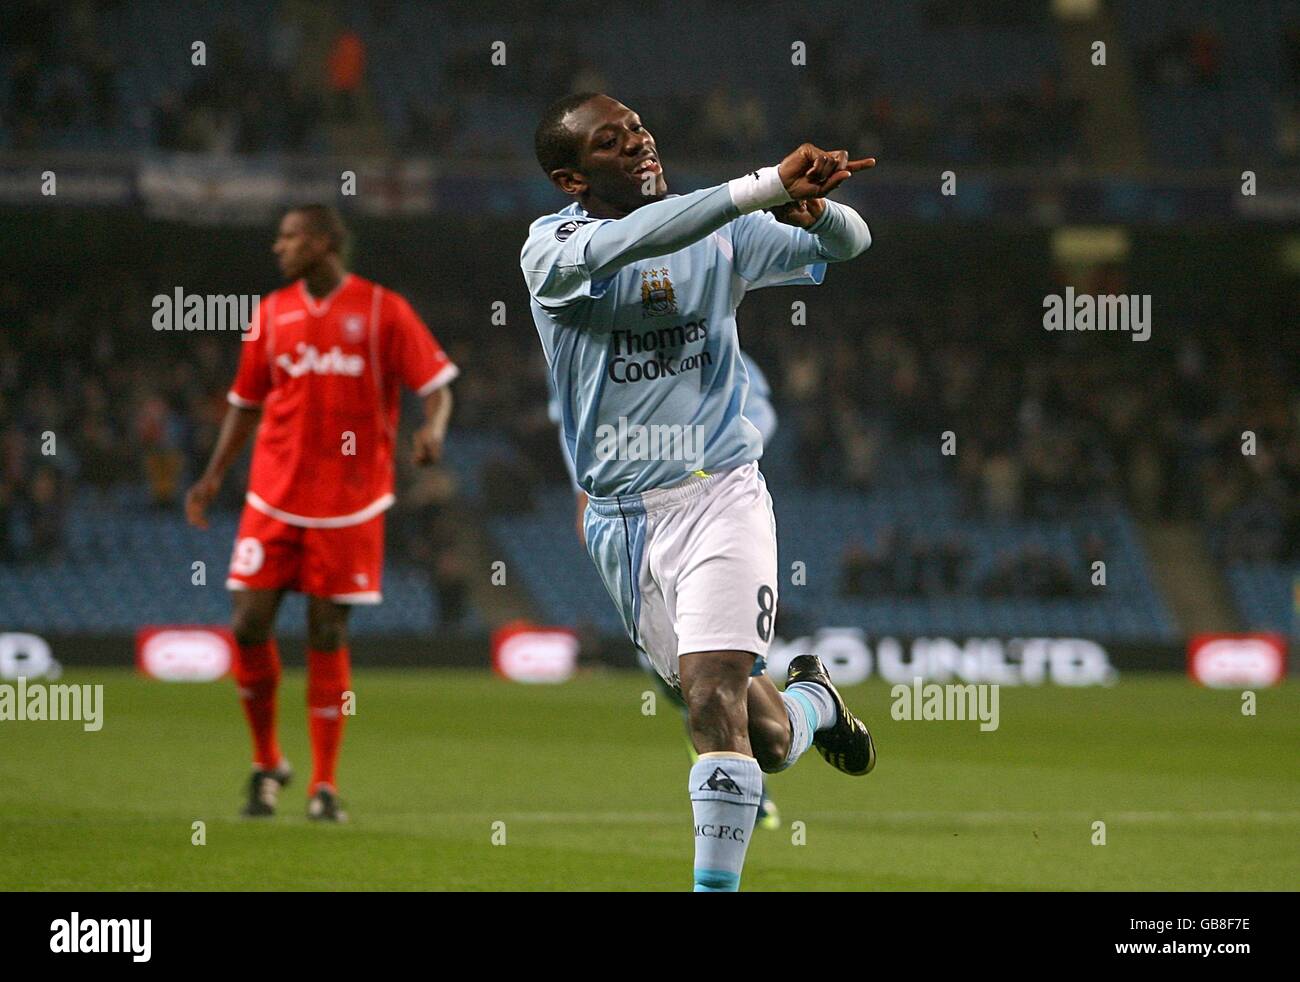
(691, 567)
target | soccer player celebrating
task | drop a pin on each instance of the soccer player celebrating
(320, 370)
(759, 411)
(634, 293)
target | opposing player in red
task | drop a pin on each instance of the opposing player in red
(319, 371)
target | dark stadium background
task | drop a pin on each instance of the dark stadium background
(1071, 448)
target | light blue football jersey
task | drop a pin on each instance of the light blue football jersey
(758, 409)
(637, 318)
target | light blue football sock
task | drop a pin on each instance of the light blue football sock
(725, 789)
(810, 708)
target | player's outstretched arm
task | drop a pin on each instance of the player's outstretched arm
(836, 232)
(811, 231)
(663, 227)
(806, 212)
(238, 425)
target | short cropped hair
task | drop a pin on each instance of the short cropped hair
(325, 220)
(557, 145)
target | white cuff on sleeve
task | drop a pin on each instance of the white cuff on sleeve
(757, 190)
(446, 374)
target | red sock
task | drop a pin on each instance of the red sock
(257, 673)
(327, 679)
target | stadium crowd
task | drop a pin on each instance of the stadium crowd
(1046, 425)
(1198, 424)
(275, 92)
(1203, 426)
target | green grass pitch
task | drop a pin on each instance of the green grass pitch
(1195, 795)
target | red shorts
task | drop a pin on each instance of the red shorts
(344, 564)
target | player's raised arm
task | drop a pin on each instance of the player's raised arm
(596, 150)
(804, 237)
(837, 232)
(663, 227)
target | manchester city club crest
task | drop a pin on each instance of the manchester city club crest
(657, 294)
(354, 328)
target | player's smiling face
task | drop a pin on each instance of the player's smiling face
(618, 164)
(297, 248)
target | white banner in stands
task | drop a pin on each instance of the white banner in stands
(184, 654)
(524, 652)
(850, 659)
(27, 655)
(1234, 661)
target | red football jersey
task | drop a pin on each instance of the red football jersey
(326, 374)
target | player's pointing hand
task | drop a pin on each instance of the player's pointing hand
(810, 172)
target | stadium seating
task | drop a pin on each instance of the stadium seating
(911, 60)
(1265, 594)
(126, 566)
(1217, 121)
(813, 526)
(914, 59)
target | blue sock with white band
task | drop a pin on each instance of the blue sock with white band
(725, 790)
(810, 708)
